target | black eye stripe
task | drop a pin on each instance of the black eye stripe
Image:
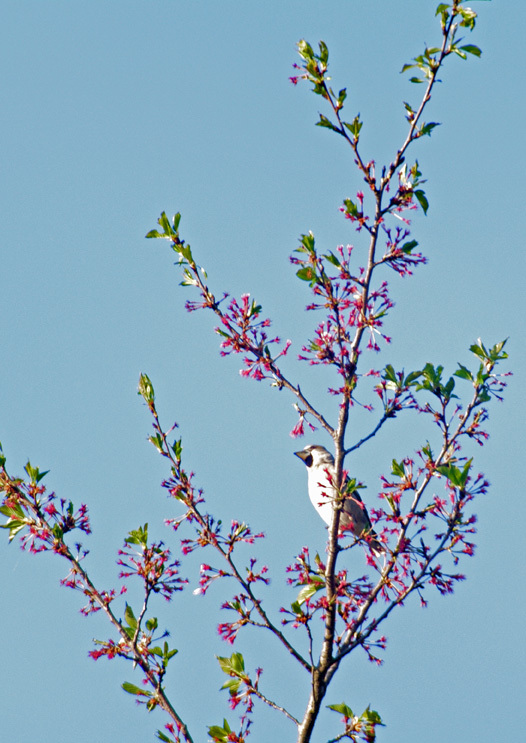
(308, 460)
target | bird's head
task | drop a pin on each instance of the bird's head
(315, 456)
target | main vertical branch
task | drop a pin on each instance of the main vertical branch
(329, 660)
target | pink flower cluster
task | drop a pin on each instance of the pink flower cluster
(243, 332)
(152, 564)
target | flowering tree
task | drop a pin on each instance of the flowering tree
(424, 521)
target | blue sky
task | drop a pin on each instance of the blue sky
(116, 111)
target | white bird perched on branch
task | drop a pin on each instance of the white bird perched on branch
(322, 493)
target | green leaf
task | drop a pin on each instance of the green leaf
(333, 259)
(34, 473)
(170, 654)
(296, 609)
(12, 511)
(342, 95)
(355, 127)
(157, 441)
(324, 53)
(465, 473)
(352, 485)
(58, 532)
(145, 389)
(463, 373)
(238, 664)
(421, 198)
(175, 221)
(177, 448)
(371, 716)
(235, 664)
(14, 526)
(458, 478)
(306, 274)
(132, 689)
(307, 243)
(390, 375)
(469, 17)
(472, 49)
(233, 685)
(397, 469)
(152, 624)
(189, 279)
(129, 616)
(408, 246)
(343, 709)
(169, 232)
(351, 208)
(479, 350)
(496, 352)
(305, 49)
(164, 222)
(428, 128)
(411, 378)
(459, 52)
(138, 536)
(220, 733)
(217, 733)
(309, 590)
(448, 388)
(324, 121)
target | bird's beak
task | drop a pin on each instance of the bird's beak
(302, 454)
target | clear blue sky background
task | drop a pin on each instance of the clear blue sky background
(114, 111)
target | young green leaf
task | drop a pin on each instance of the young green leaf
(422, 200)
(463, 373)
(34, 473)
(307, 274)
(333, 259)
(411, 378)
(235, 664)
(132, 689)
(138, 536)
(324, 121)
(355, 127)
(397, 469)
(14, 526)
(471, 49)
(343, 709)
(426, 129)
(220, 734)
(407, 247)
(458, 478)
(129, 616)
(13, 511)
(307, 591)
(157, 441)
(145, 389)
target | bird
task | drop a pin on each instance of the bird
(321, 476)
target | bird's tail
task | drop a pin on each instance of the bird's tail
(371, 537)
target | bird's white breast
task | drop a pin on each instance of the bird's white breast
(321, 493)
